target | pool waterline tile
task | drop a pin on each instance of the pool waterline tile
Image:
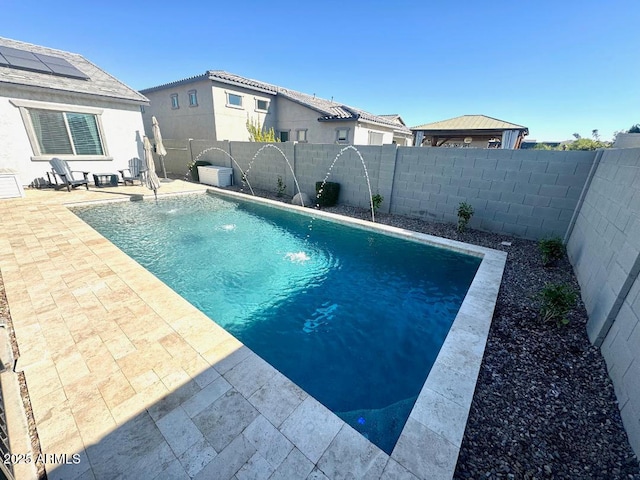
(409, 452)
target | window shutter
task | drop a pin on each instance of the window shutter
(51, 132)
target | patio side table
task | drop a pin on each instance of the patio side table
(105, 179)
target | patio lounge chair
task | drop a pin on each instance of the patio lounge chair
(68, 178)
(134, 172)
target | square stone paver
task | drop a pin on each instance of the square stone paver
(225, 419)
(269, 442)
(311, 428)
(277, 399)
(350, 455)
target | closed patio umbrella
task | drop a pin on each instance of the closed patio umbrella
(160, 150)
(150, 177)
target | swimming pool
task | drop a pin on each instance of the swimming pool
(353, 317)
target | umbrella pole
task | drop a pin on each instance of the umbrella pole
(164, 170)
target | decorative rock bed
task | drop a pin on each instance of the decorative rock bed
(544, 405)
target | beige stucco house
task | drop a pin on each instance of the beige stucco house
(58, 104)
(216, 106)
(475, 131)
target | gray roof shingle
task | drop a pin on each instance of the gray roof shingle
(99, 84)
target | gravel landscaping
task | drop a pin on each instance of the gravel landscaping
(544, 406)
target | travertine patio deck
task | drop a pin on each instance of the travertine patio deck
(139, 383)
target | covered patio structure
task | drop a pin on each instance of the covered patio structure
(475, 131)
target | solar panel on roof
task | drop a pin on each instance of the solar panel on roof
(14, 52)
(51, 59)
(60, 66)
(66, 71)
(28, 64)
(38, 62)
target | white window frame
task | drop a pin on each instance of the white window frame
(346, 136)
(175, 102)
(304, 132)
(25, 105)
(258, 109)
(233, 105)
(193, 95)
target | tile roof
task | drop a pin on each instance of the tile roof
(395, 118)
(328, 109)
(100, 83)
(470, 122)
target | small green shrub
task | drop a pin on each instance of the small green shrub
(376, 201)
(551, 250)
(280, 187)
(465, 212)
(556, 301)
(327, 194)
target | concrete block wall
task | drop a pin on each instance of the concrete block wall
(527, 193)
(604, 246)
(604, 249)
(177, 158)
(337, 163)
(217, 153)
(621, 350)
(263, 163)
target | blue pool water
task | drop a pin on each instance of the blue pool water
(355, 318)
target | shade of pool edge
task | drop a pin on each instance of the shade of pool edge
(430, 441)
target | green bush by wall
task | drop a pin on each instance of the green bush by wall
(329, 195)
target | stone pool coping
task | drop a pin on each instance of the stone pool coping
(431, 439)
(136, 381)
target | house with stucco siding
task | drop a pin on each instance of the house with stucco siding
(217, 105)
(55, 103)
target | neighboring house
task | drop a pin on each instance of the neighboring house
(400, 138)
(475, 131)
(58, 104)
(216, 106)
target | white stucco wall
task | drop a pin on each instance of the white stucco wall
(230, 120)
(186, 121)
(293, 116)
(403, 141)
(121, 125)
(361, 136)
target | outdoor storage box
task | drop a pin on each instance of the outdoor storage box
(216, 176)
(10, 186)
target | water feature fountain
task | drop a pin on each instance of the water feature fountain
(245, 173)
(366, 174)
(270, 145)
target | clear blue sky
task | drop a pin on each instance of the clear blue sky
(557, 67)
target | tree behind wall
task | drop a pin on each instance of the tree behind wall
(257, 133)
